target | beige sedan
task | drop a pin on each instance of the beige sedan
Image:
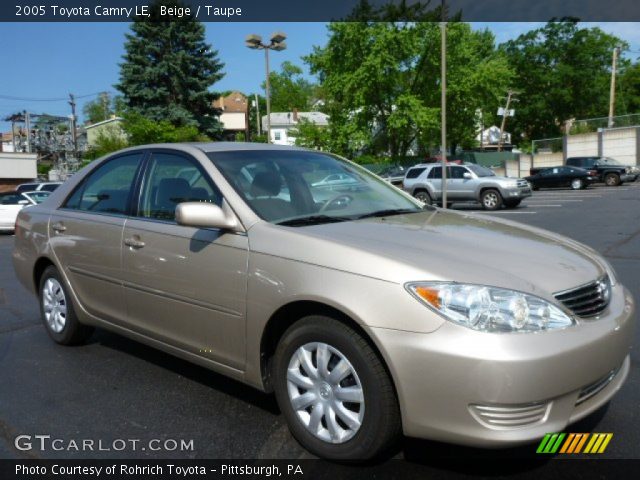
(368, 314)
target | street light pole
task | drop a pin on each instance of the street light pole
(268, 93)
(277, 43)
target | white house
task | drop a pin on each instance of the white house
(16, 168)
(282, 124)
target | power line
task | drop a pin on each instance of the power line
(61, 99)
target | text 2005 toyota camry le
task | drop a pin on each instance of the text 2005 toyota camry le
(368, 314)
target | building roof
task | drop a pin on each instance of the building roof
(287, 118)
(104, 122)
(235, 102)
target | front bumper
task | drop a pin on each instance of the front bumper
(519, 192)
(496, 390)
(628, 177)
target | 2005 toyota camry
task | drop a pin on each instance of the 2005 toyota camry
(367, 313)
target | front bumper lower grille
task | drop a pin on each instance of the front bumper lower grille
(512, 416)
(587, 300)
(596, 387)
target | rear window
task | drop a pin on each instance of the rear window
(415, 172)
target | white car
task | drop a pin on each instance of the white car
(11, 203)
(38, 186)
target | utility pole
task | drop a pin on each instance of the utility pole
(443, 102)
(268, 93)
(505, 114)
(74, 137)
(612, 91)
(27, 125)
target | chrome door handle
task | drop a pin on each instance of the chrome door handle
(59, 227)
(133, 242)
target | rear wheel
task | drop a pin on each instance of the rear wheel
(612, 179)
(334, 391)
(577, 184)
(423, 196)
(56, 309)
(491, 199)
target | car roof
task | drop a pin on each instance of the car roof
(209, 147)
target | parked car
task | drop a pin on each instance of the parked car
(574, 177)
(394, 174)
(11, 203)
(37, 186)
(368, 314)
(610, 171)
(465, 183)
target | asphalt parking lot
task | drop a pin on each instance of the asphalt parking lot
(114, 388)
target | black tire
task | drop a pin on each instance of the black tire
(423, 196)
(612, 180)
(381, 424)
(491, 199)
(512, 203)
(73, 332)
(577, 184)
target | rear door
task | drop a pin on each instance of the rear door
(185, 286)
(434, 178)
(86, 235)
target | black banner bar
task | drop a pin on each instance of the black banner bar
(324, 10)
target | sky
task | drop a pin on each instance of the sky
(51, 60)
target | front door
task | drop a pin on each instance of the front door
(86, 236)
(185, 286)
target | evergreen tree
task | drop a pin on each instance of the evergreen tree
(168, 69)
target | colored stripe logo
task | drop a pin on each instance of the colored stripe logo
(573, 443)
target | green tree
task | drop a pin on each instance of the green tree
(141, 130)
(168, 69)
(103, 107)
(562, 71)
(628, 101)
(289, 89)
(381, 81)
(310, 135)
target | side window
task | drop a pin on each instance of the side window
(10, 199)
(107, 189)
(276, 135)
(415, 172)
(458, 172)
(171, 179)
(436, 172)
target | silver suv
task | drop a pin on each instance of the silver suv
(465, 183)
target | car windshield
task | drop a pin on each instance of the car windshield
(39, 196)
(480, 171)
(610, 161)
(298, 187)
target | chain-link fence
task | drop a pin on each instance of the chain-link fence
(591, 125)
(547, 145)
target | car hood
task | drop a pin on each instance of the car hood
(438, 245)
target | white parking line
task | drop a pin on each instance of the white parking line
(564, 200)
(546, 205)
(506, 211)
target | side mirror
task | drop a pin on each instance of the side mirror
(205, 215)
(467, 176)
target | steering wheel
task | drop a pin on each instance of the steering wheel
(325, 207)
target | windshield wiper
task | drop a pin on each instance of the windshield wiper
(388, 212)
(311, 220)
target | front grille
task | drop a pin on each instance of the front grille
(587, 300)
(513, 416)
(591, 390)
(523, 183)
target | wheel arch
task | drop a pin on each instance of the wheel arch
(38, 269)
(287, 315)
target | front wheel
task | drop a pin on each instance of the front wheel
(491, 199)
(56, 309)
(334, 391)
(577, 184)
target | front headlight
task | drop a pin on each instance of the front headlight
(490, 309)
(511, 184)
